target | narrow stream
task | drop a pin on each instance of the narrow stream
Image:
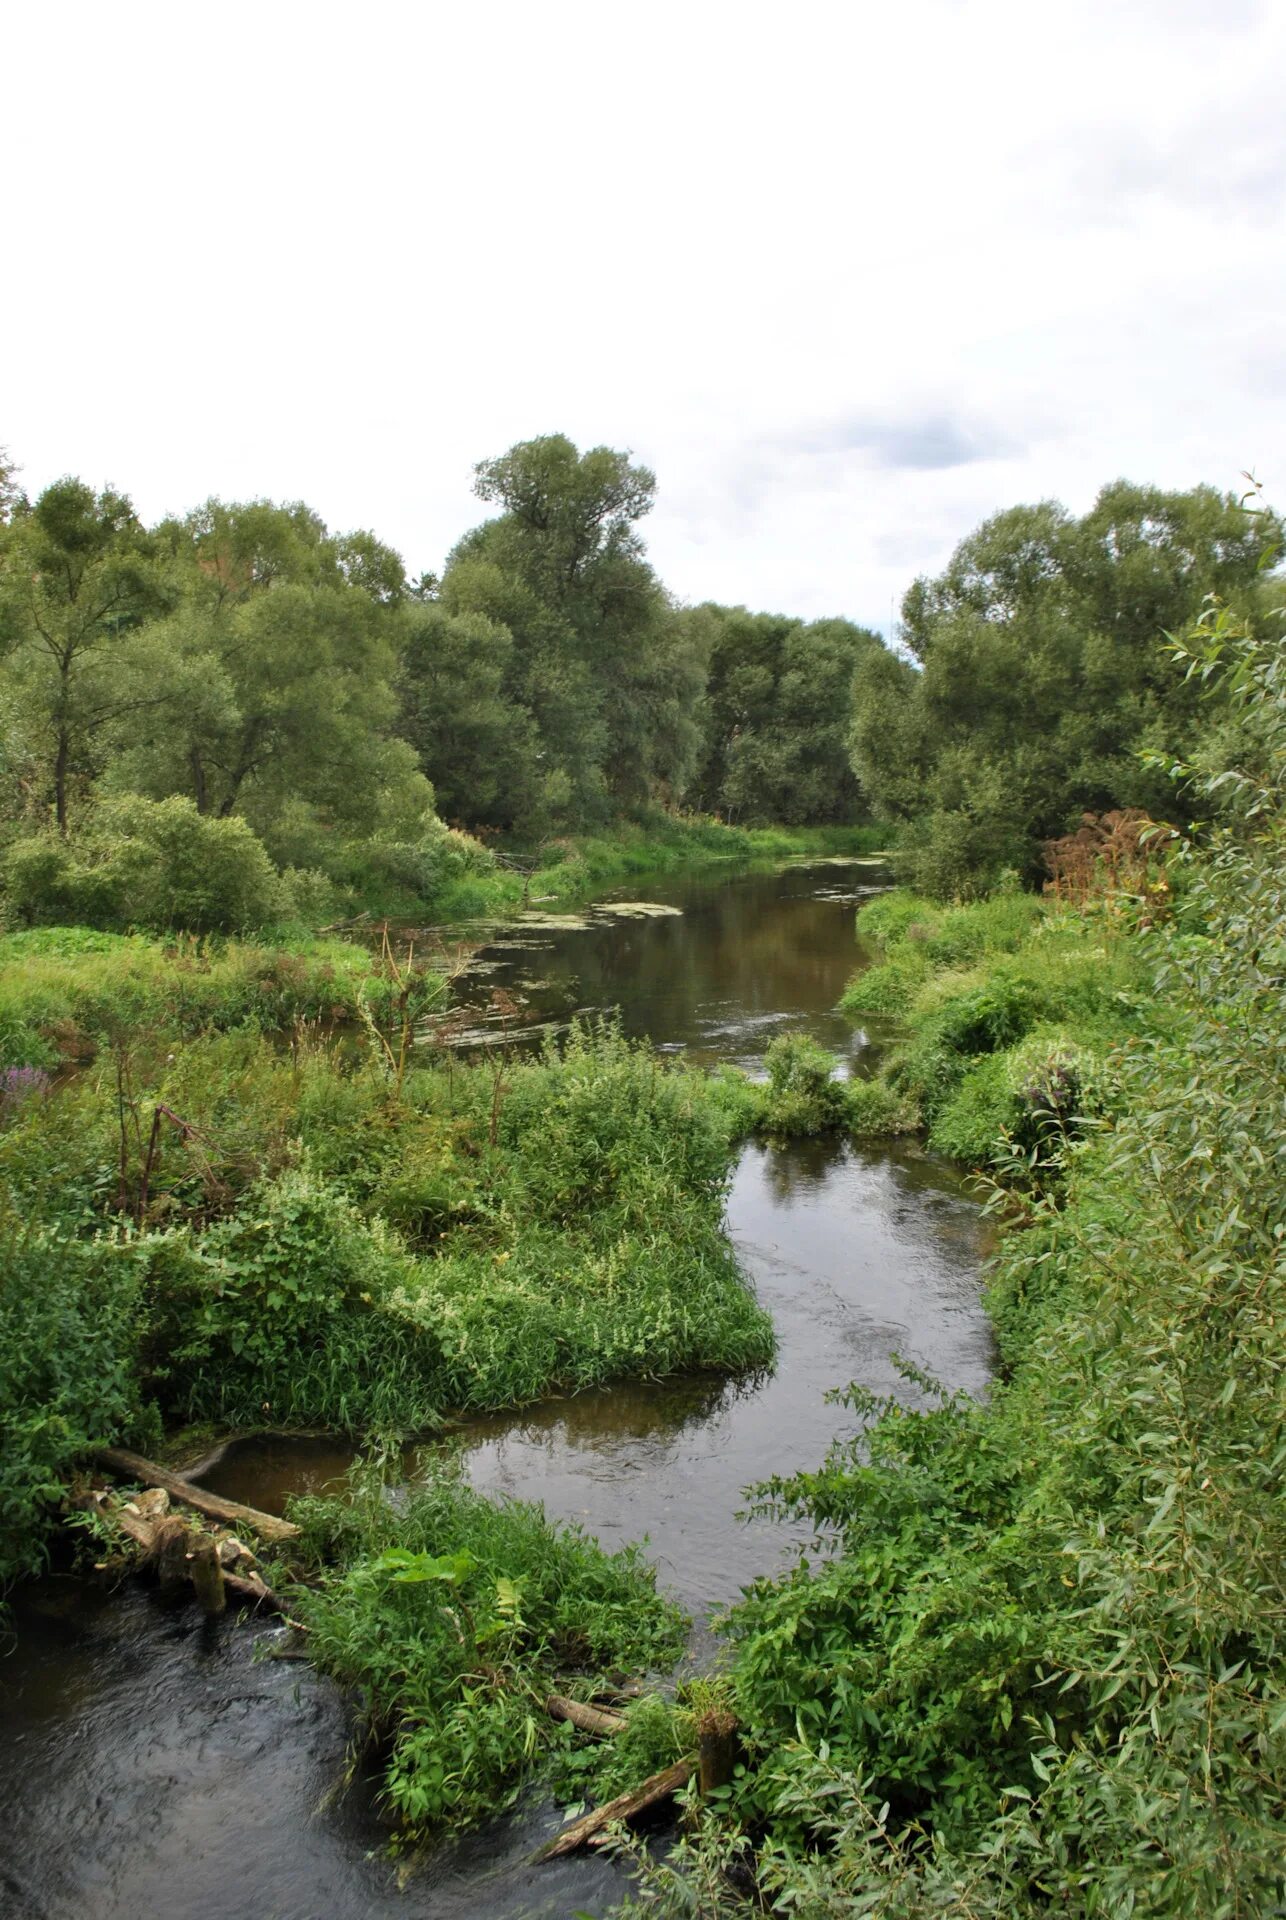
(149, 1765)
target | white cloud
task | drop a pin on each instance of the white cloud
(848, 276)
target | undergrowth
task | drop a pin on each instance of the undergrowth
(452, 1618)
(244, 1233)
(1036, 1661)
(1006, 1012)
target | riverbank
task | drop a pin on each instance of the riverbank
(570, 871)
(68, 991)
(1000, 1021)
(219, 1241)
(1044, 1670)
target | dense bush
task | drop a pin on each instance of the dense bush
(149, 864)
(1043, 1667)
(803, 1096)
(453, 1617)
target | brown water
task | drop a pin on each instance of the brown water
(150, 1766)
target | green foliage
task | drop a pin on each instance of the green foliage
(66, 991)
(153, 864)
(657, 1732)
(1041, 1666)
(590, 674)
(71, 1320)
(1039, 679)
(803, 1096)
(281, 1312)
(1008, 1009)
(318, 1240)
(778, 696)
(453, 1617)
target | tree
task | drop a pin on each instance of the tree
(276, 674)
(80, 575)
(778, 704)
(600, 662)
(1042, 678)
(475, 740)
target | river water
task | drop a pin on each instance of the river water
(149, 1764)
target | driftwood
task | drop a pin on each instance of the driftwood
(181, 1555)
(626, 1806)
(132, 1466)
(588, 1719)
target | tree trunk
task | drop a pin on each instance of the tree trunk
(199, 792)
(132, 1466)
(60, 780)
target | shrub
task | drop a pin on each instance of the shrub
(282, 1312)
(147, 863)
(456, 1616)
(803, 1097)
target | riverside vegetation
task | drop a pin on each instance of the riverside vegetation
(1034, 1661)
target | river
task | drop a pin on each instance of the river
(150, 1765)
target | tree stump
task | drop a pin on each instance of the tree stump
(207, 1575)
(716, 1749)
(170, 1552)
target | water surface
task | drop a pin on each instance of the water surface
(150, 1766)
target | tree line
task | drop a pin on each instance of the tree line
(244, 689)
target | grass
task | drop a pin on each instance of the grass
(300, 1240)
(453, 1618)
(66, 991)
(1007, 1012)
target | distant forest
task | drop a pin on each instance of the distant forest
(280, 707)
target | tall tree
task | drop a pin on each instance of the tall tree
(278, 666)
(80, 575)
(777, 714)
(1041, 675)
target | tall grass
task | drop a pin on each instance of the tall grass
(1006, 1015)
(310, 1242)
(67, 991)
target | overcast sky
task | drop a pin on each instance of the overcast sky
(848, 276)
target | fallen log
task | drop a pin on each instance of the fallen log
(132, 1466)
(170, 1548)
(589, 1719)
(626, 1806)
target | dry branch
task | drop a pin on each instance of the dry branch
(626, 1806)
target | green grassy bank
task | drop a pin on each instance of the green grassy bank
(1036, 1663)
(1000, 1020)
(568, 872)
(233, 1233)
